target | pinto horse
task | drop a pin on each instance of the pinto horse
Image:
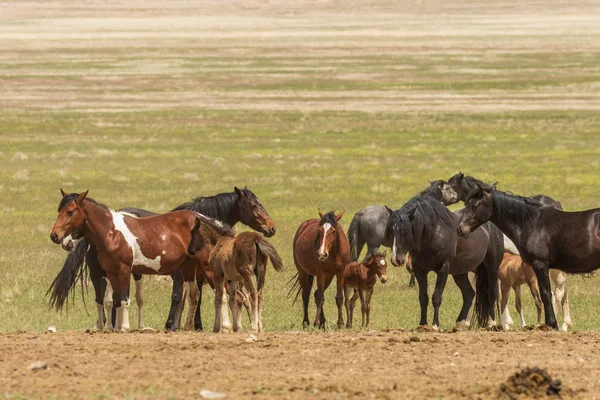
(126, 244)
(546, 237)
(427, 230)
(321, 249)
(241, 205)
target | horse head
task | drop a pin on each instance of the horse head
(253, 214)
(326, 238)
(71, 217)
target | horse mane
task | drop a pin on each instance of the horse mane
(67, 199)
(420, 216)
(329, 218)
(221, 228)
(523, 209)
(218, 206)
(433, 190)
(472, 184)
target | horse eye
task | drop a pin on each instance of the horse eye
(69, 213)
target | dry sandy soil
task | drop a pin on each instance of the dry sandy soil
(294, 364)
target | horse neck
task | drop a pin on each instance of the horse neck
(228, 213)
(505, 219)
(98, 222)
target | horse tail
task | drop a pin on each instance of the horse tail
(72, 271)
(269, 251)
(353, 236)
(295, 288)
(481, 312)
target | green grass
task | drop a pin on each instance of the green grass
(296, 163)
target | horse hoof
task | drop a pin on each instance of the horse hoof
(461, 325)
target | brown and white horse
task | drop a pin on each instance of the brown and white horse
(361, 277)
(321, 249)
(126, 244)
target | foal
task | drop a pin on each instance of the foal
(361, 278)
(235, 259)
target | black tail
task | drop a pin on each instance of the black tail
(295, 288)
(481, 311)
(353, 236)
(72, 271)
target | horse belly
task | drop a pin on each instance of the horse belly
(470, 252)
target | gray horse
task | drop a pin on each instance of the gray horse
(369, 224)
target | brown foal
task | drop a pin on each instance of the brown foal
(360, 277)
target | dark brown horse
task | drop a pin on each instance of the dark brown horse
(546, 237)
(321, 249)
(126, 244)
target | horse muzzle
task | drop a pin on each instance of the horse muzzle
(54, 237)
(68, 245)
(322, 256)
(383, 279)
(462, 231)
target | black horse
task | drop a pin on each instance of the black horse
(241, 205)
(546, 237)
(427, 230)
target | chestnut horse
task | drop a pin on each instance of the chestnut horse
(361, 277)
(234, 259)
(321, 249)
(126, 244)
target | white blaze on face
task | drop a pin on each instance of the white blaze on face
(138, 257)
(394, 249)
(382, 262)
(326, 227)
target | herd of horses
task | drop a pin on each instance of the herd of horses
(196, 245)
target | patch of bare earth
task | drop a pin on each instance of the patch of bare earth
(299, 364)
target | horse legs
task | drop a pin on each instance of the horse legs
(306, 283)
(339, 300)
(139, 299)
(198, 314)
(423, 296)
(366, 307)
(349, 305)
(176, 301)
(97, 278)
(535, 292)
(411, 282)
(506, 319)
(120, 283)
(519, 304)
(561, 296)
(232, 291)
(109, 310)
(436, 299)
(320, 299)
(249, 285)
(219, 296)
(541, 272)
(462, 281)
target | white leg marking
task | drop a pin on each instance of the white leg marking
(124, 316)
(108, 305)
(225, 322)
(100, 321)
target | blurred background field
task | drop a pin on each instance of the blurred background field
(311, 104)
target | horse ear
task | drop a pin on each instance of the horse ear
(460, 176)
(389, 210)
(81, 197)
(428, 180)
(63, 193)
(239, 192)
(384, 253)
(320, 213)
(340, 215)
(494, 185)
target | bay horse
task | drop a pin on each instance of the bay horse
(126, 244)
(241, 205)
(368, 226)
(359, 281)
(427, 230)
(235, 259)
(320, 249)
(546, 237)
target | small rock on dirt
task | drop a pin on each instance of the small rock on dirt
(51, 329)
(38, 365)
(250, 339)
(209, 394)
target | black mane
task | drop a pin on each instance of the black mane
(523, 209)
(418, 217)
(220, 206)
(329, 218)
(68, 198)
(434, 190)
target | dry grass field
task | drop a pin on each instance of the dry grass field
(312, 104)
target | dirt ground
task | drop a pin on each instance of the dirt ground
(294, 364)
